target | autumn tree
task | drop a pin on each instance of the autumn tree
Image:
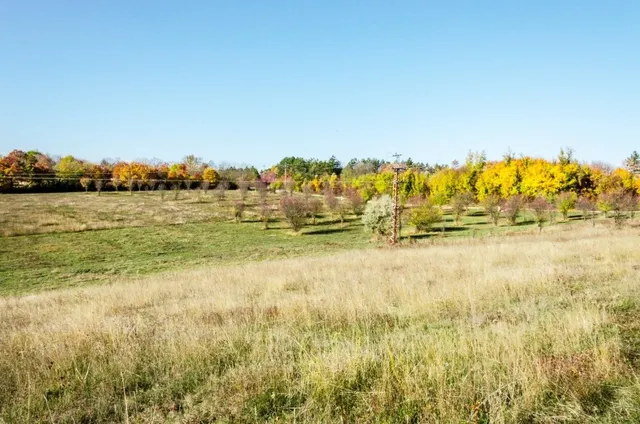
(211, 176)
(566, 202)
(460, 202)
(512, 207)
(425, 215)
(355, 201)
(491, 205)
(294, 211)
(541, 209)
(85, 182)
(587, 207)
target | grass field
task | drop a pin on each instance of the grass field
(135, 309)
(526, 328)
(76, 239)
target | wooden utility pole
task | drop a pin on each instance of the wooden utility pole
(397, 167)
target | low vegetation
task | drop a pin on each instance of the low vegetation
(527, 328)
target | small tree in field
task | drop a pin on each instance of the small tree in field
(587, 207)
(289, 185)
(265, 214)
(425, 215)
(623, 205)
(378, 216)
(85, 182)
(115, 182)
(459, 204)
(565, 202)
(294, 211)
(204, 186)
(605, 203)
(243, 189)
(541, 208)
(162, 188)
(131, 182)
(355, 200)
(491, 205)
(512, 207)
(314, 208)
(263, 191)
(238, 210)
(176, 186)
(99, 184)
(221, 188)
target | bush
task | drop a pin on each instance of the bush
(491, 205)
(565, 202)
(460, 203)
(512, 207)
(294, 211)
(425, 215)
(378, 216)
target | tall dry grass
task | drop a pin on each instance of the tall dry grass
(519, 329)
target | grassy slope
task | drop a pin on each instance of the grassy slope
(73, 239)
(66, 259)
(537, 328)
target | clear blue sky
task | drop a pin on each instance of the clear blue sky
(253, 81)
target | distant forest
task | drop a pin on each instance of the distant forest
(33, 171)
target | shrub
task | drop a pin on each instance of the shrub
(491, 205)
(425, 215)
(565, 202)
(378, 215)
(540, 207)
(294, 211)
(587, 207)
(460, 203)
(512, 207)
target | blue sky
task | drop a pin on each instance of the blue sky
(254, 81)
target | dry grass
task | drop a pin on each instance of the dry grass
(24, 214)
(519, 329)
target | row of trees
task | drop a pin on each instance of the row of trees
(476, 176)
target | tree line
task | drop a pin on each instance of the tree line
(476, 177)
